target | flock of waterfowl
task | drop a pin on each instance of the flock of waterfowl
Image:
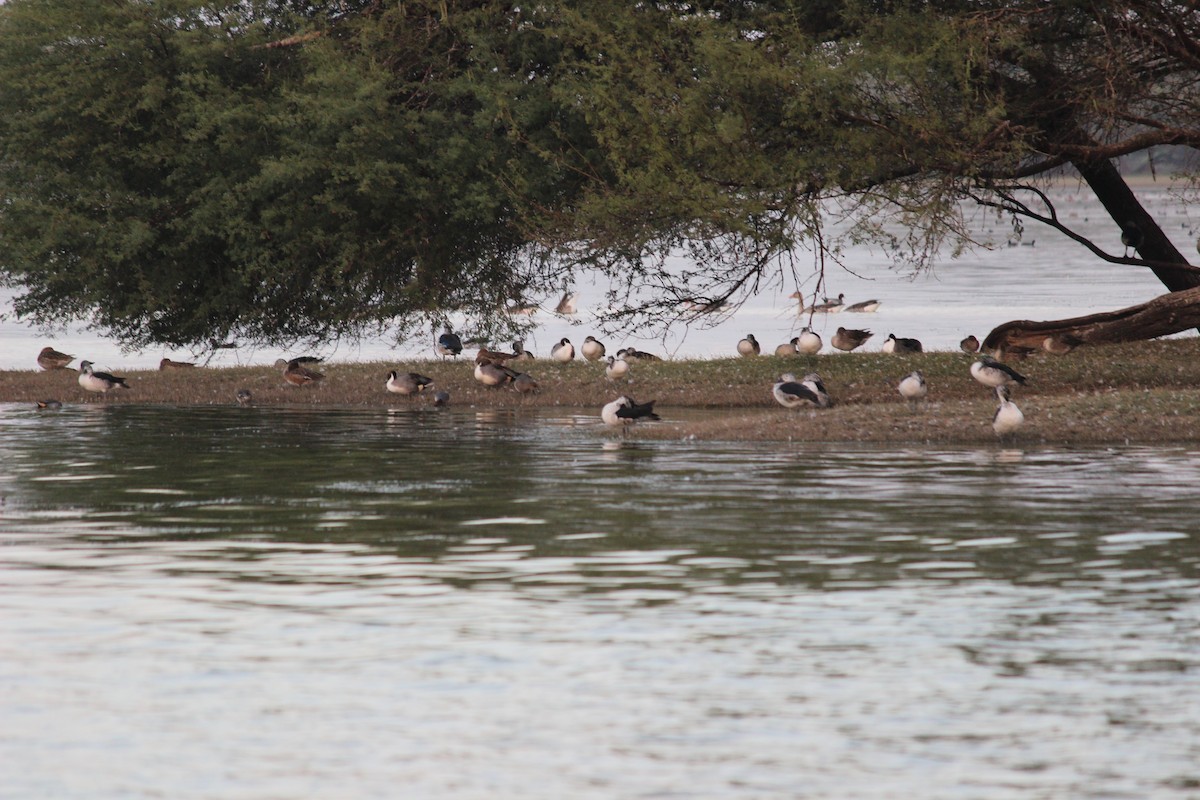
(495, 368)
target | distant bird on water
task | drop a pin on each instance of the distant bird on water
(790, 393)
(865, 307)
(99, 382)
(244, 397)
(827, 307)
(748, 346)
(592, 349)
(1008, 418)
(295, 373)
(49, 405)
(625, 411)
(913, 387)
(896, 344)
(448, 345)
(969, 345)
(563, 352)
(167, 364)
(993, 373)
(407, 383)
(50, 359)
(848, 339)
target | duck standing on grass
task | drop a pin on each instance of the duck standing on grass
(913, 387)
(617, 368)
(407, 383)
(625, 411)
(99, 382)
(449, 344)
(748, 346)
(50, 359)
(809, 343)
(592, 349)
(1008, 418)
(993, 373)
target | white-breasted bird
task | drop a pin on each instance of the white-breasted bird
(617, 368)
(407, 383)
(748, 346)
(563, 352)
(490, 374)
(790, 393)
(787, 348)
(813, 381)
(913, 387)
(520, 353)
(829, 306)
(592, 349)
(900, 344)
(99, 382)
(1008, 418)
(991, 372)
(809, 343)
(625, 411)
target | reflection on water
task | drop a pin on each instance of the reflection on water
(284, 603)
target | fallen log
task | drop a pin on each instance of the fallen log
(1166, 314)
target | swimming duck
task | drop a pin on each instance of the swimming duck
(50, 359)
(99, 382)
(913, 387)
(617, 368)
(49, 405)
(244, 397)
(624, 411)
(810, 343)
(407, 383)
(295, 373)
(790, 393)
(846, 339)
(569, 303)
(748, 346)
(865, 307)
(592, 349)
(788, 348)
(1008, 418)
(492, 374)
(828, 306)
(969, 345)
(167, 363)
(563, 352)
(449, 344)
(991, 372)
(900, 345)
(525, 383)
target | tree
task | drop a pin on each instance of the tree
(188, 172)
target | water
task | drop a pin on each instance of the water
(1053, 279)
(270, 603)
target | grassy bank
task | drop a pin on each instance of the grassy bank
(1143, 392)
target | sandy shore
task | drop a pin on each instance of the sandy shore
(1146, 392)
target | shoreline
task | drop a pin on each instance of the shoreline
(1142, 392)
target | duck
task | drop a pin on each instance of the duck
(520, 353)
(525, 383)
(913, 387)
(790, 393)
(1131, 237)
(49, 405)
(993, 373)
(617, 368)
(49, 359)
(810, 343)
(625, 411)
(864, 307)
(441, 398)
(569, 304)
(592, 349)
(244, 397)
(828, 306)
(814, 383)
(788, 348)
(748, 346)
(295, 373)
(633, 354)
(407, 383)
(1008, 418)
(99, 382)
(969, 345)
(1061, 344)
(448, 345)
(167, 363)
(563, 352)
(494, 356)
(492, 374)
(849, 339)
(901, 345)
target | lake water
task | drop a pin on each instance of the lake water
(1052, 279)
(275, 603)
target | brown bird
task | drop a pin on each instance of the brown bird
(50, 358)
(849, 339)
(295, 373)
(969, 345)
(525, 383)
(493, 356)
(167, 363)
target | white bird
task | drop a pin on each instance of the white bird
(592, 349)
(810, 342)
(99, 382)
(624, 411)
(617, 368)
(790, 393)
(563, 352)
(991, 372)
(913, 387)
(1008, 418)
(748, 346)
(407, 383)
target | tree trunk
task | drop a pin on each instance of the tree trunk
(1165, 314)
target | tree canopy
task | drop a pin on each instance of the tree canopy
(187, 172)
